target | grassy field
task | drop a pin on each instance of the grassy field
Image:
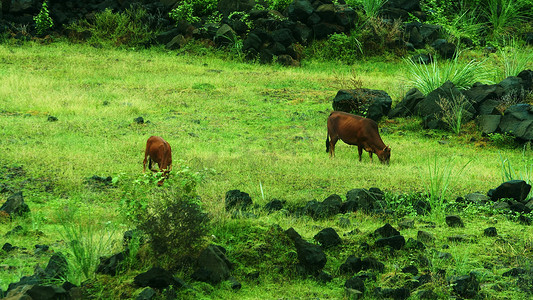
(260, 129)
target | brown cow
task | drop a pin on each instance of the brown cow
(356, 130)
(158, 150)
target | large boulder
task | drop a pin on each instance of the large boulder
(15, 206)
(406, 107)
(237, 200)
(328, 237)
(518, 121)
(513, 189)
(372, 104)
(157, 278)
(431, 111)
(311, 257)
(360, 199)
(213, 265)
(300, 10)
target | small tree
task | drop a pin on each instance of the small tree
(43, 21)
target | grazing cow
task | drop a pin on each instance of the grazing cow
(158, 151)
(356, 130)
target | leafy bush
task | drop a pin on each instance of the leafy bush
(131, 28)
(192, 10)
(176, 226)
(43, 21)
(279, 5)
(171, 215)
(378, 37)
(339, 46)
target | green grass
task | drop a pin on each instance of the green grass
(260, 129)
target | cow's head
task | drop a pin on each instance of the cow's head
(384, 156)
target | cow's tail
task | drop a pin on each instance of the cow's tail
(327, 143)
(149, 163)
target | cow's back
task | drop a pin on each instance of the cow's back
(354, 129)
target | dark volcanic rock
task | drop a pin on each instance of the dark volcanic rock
(396, 242)
(238, 200)
(213, 265)
(454, 221)
(15, 205)
(515, 189)
(386, 231)
(328, 237)
(310, 256)
(352, 265)
(490, 231)
(157, 278)
(466, 286)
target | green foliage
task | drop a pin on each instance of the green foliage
(462, 74)
(176, 225)
(525, 169)
(453, 111)
(279, 5)
(514, 57)
(503, 140)
(43, 21)
(441, 175)
(193, 10)
(339, 46)
(372, 7)
(135, 200)
(503, 17)
(131, 28)
(87, 240)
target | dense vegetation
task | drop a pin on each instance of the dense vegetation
(74, 143)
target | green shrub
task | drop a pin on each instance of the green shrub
(170, 215)
(279, 5)
(131, 28)
(43, 21)
(176, 226)
(193, 10)
(372, 7)
(339, 46)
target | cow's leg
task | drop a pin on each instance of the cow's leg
(332, 143)
(360, 150)
(370, 153)
(144, 162)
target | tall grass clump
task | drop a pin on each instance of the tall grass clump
(87, 240)
(372, 8)
(524, 171)
(441, 176)
(131, 28)
(513, 58)
(453, 111)
(503, 17)
(463, 75)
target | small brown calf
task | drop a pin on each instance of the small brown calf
(158, 150)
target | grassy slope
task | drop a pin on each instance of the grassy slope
(253, 125)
